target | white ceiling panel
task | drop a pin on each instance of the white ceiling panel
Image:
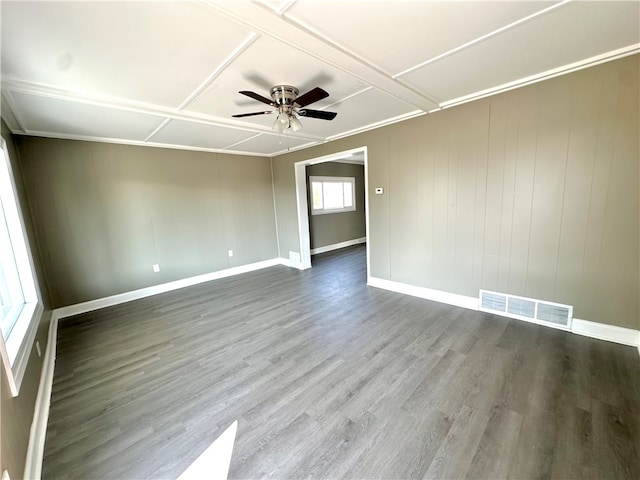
(155, 52)
(397, 35)
(115, 71)
(264, 64)
(199, 135)
(267, 144)
(367, 108)
(51, 115)
(563, 36)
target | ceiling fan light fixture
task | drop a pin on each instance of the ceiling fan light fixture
(286, 120)
(294, 123)
(281, 122)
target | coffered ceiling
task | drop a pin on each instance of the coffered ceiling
(168, 73)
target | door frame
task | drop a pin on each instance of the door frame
(302, 204)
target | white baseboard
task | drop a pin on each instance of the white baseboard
(601, 331)
(426, 293)
(284, 261)
(337, 246)
(610, 333)
(38, 432)
(162, 288)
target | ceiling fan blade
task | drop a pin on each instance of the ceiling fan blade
(311, 96)
(321, 114)
(251, 114)
(258, 97)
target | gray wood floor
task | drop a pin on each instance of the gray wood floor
(329, 378)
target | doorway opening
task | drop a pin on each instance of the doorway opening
(355, 155)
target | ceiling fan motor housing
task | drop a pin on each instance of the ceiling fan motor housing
(284, 95)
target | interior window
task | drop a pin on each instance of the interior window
(332, 194)
(20, 307)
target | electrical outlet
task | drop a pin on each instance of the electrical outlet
(38, 348)
(156, 267)
(230, 252)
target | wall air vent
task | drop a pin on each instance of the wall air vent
(493, 301)
(529, 309)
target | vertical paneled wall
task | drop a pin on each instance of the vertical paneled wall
(532, 192)
(104, 214)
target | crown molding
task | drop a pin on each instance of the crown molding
(382, 123)
(12, 85)
(547, 75)
(138, 143)
(10, 113)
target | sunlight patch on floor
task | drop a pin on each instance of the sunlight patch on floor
(213, 463)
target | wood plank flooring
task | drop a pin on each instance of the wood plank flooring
(329, 378)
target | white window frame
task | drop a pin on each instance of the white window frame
(15, 350)
(324, 211)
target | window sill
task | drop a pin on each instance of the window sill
(337, 210)
(17, 349)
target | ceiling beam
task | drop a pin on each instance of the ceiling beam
(266, 21)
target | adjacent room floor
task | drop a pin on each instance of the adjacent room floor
(329, 378)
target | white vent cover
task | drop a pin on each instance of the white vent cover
(529, 309)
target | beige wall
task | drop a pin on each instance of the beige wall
(16, 413)
(332, 228)
(104, 214)
(532, 192)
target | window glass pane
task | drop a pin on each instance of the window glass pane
(316, 195)
(10, 289)
(348, 194)
(333, 195)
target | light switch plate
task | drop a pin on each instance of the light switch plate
(379, 190)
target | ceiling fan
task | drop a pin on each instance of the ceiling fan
(288, 105)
